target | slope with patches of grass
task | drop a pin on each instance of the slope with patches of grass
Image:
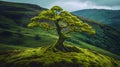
(42, 57)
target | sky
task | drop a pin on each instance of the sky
(74, 5)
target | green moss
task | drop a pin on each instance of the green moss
(48, 58)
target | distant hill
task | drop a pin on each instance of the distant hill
(109, 17)
(17, 13)
(14, 34)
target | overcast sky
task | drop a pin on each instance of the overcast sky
(73, 5)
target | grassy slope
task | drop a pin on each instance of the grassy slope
(105, 37)
(48, 58)
(27, 36)
(11, 47)
(13, 16)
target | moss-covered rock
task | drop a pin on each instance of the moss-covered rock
(44, 57)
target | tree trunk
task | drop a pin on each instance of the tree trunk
(59, 44)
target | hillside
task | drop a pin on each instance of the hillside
(17, 42)
(17, 13)
(13, 20)
(14, 32)
(105, 37)
(44, 57)
(109, 17)
(15, 35)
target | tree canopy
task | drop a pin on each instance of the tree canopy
(64, 21)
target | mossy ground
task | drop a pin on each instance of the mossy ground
(44, 57)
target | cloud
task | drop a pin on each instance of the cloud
(106, 2)
(78, 5)
(73, 5)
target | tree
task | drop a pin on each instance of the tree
(64, 23)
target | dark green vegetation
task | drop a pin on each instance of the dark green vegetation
(13, 20)
(109, 17)
(15, 35)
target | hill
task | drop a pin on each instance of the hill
(17, 42)
(109, 17)
(13, 32)
(44, 57)
(15, 35)
(17, 13)
(105, 37)
(13, 21)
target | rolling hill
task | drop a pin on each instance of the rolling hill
(17, 13)
(15, 35)
(16, 16)
(109, 17)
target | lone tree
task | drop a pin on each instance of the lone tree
(64, 23)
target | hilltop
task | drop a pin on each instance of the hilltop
(42, 57)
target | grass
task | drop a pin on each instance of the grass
(48, 58)
(4, 47)
(85, 45)
(47, 38)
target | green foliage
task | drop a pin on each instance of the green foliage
(64, 19)
(56, 8)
